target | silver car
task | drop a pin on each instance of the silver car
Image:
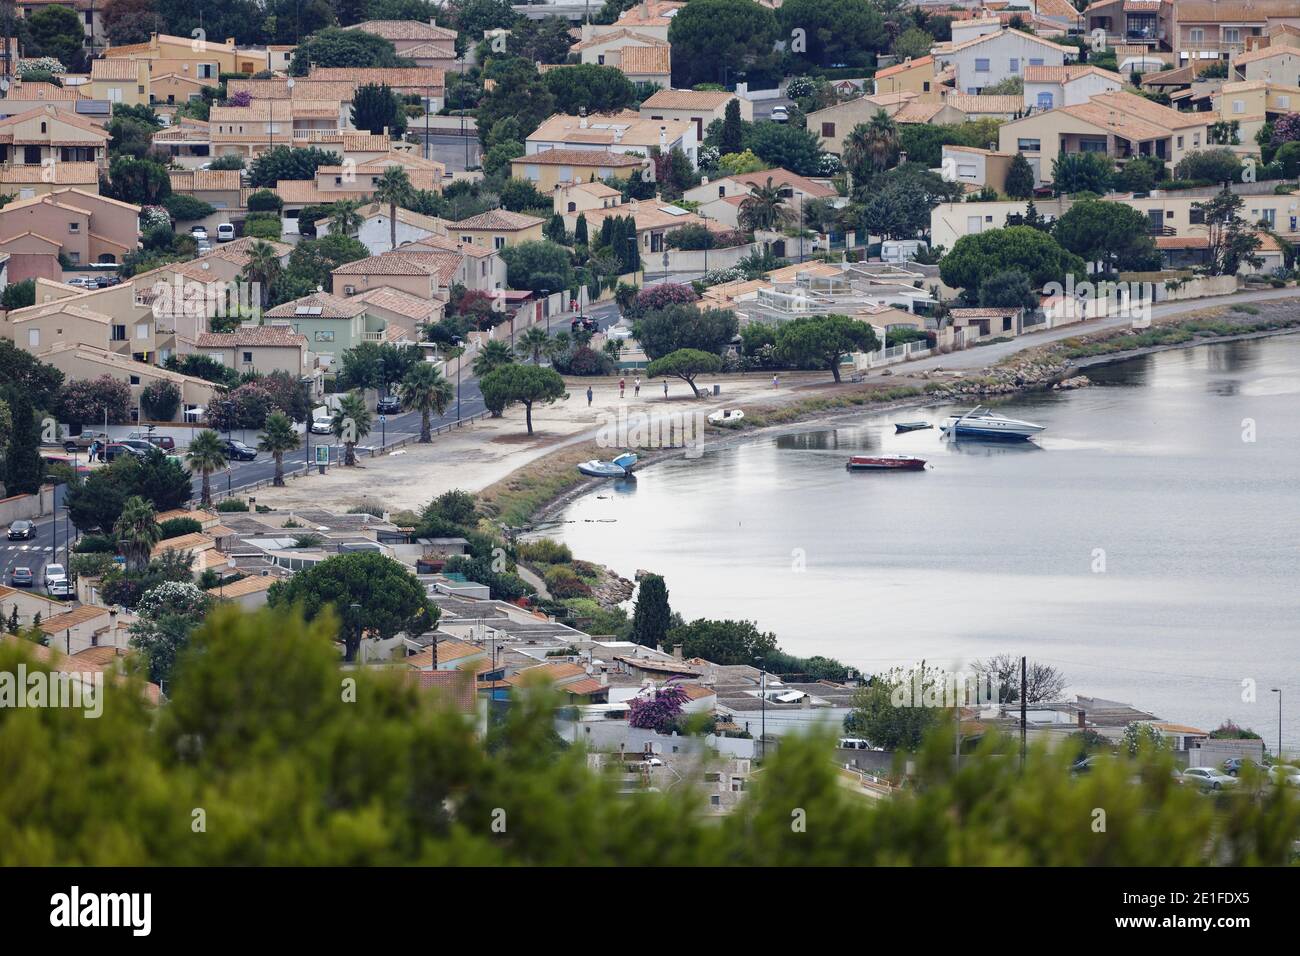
(1207, 778)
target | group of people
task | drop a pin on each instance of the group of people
(622, 389)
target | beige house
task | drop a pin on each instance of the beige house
(834, 123)
(425, 44)
(85, 226)
(173, 89)
(622, 132)
(1218, 29)
(579, 197)
(1121, 125)
(47, 136)
(1047, 87)
(919, 76)
(198, 59)
(39, 328)
(700, 108)
(28, 182)
(976, 167)
(29, 604)
(77, 361)
(654, 220)
(248, 131)
(1271, 64)
(121, 81)
(1252, 103)
(256, 348)
(497, 228)
(423, 274)
(401, 310)
(428, 83)
(219, 188)
(555, 168)
(88, 626)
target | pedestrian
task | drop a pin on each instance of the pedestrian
(665, 388)
(622, 384)
(589, 396)
(776, 383)
(636, 386)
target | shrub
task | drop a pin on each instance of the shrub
(232, 504)
(161, 401)
(175, 527)
(94, 544)
(563, 583)
(265, 201)
(187, 208)
(262, 228)
(545, 551)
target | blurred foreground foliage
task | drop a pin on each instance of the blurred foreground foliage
(258, 736)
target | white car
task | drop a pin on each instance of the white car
(618, 332)
(225, 232)
(200, 233)
(83, 282)
(1207, 778)
(322, 426)
(780, 114)
(1285, 773)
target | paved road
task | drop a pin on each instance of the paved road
(448, 148)
(39, 551)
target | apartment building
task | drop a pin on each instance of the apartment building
(1120, 125)
(47, 136)
(248, 131)
(79, 361)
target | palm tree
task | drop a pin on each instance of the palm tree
(558, 345)
(492, 355)
(350, 424)
(137, 532)
(205, 456)
(875, 142)
(532, 342)
(263, 267)
(344, 218)
(763, 208)
(278, 436)
(426, 391)
(394, 188)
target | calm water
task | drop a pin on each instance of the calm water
(993, 548)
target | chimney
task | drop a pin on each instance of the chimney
(677, 651)
(663, 136)
(1083, 720)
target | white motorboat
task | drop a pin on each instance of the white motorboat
(620, 467)
(726, 416)
(980, 422)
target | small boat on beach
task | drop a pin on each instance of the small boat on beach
(620, 467)
(900, 427)
(981, 422)
(726, 416)
(885, 463)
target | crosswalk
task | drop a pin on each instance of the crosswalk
(29, 547)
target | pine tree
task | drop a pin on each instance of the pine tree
(13, 620)
(652, 616)
(580, 230)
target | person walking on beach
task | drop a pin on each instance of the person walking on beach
(665, 389)
(776, 383)
(636, 386)
(622, 384)
(589, 396)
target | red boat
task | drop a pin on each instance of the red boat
(885, 463)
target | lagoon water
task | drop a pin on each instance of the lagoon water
(1146, 544)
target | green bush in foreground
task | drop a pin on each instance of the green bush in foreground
(292, 763)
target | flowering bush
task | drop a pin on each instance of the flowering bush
(661, 296)
(152, 216)
(173, 597)
(40, 64)
(828, 164)
(659, 711)
(719, 276)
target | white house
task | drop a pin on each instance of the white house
(1047, 87)
(990, 58)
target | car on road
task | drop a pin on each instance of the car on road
(139, 444)
(21, 577)
(165, 442)
(236, 450)
(1232, 766)
(389, 405)
(84, 441)
(322, 426)
(199, 233)
(56, 581)
(1207, 778)
(225, 232)
(1285, 773)
(584, 322)
(780, 114)
(22, 530)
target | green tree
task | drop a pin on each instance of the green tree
(715, 39)
(56, 31)
(491, 355)
(820, 341)
(161, 400)
(1112, 233)
(532, 341)
(651, 615)
(24, 469)
(598, 89)
(393, 188)
(166, 616)
(1038, 255)
(278, 437)
(369, 595)
(1082, 173)
(731, 139)
(871, 147)
(345, 220)
(137, 531)
(724, 642)
(1231, 240)
(1009, 289)
(350, 424)
(41, 382)
(686, 364)
(786, 145)
(912, 43)
(538, 264)
(898, 708)
(839, 31)
(426, 391)
(526, 385)
(1020, 178)
(518, 93)
(18, 295)
(335, 47)
(206, 455)
(1219, 165)
(682, 326)
(763, 208)
(263, 267)
(140, 182)
(376, 108)
(284, 162)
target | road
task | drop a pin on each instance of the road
(37, 552)
(448, 148)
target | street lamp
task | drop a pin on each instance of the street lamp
(460, 360)
(462, 109)
(545, 310)
(1278, 691)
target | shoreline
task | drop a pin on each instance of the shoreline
(548, 510)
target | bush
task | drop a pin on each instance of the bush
(175, 527)
(94, 544)
(545, 551)
(584, 361)
(264, 200)
(232, 504)
(187, 208)
(91, 565)
(263, 229)
(563, 583)
(161, 401)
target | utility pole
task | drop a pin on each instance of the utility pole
(762, 734)
(1024, 711)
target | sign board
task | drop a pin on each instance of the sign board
(322, 454)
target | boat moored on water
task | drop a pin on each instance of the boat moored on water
(983, 423)
(620, 467)
(900, 427)
(726, 416)
(885, 463)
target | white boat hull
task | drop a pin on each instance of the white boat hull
(991, 426)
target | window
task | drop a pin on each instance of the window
(566, 174)
(828, 130)
(1014, 65)
(142, 330)
(532, 173)
(1196, 217)
(135, 379)
(119, 333)
(600, 59)
(44, 129)
(1196, 139)
(1006, 325)
(327, 336)
(1044, 101)
(925, 86)
(33, 338)
(74, 227)
(468, 240)
(1029, 145)
(1239, 106)
(498, 242)
(1231, 35)
(1269, 217)
(573, 207)
(1036, 61)
(248, 358)
(1196, 36)
(115, 94)
(1284, 102)
(75, 257)
(1180, 142)
(981, 65)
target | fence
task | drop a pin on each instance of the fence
(906, 352)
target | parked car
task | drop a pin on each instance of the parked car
(389, 405)
(1232, 766)
(620, 331)
(225, 232)
(780, 114)
(22, 530)
(322, 426)
(56, 576)
(82, 282)
(1207, 778)
(114, 450)
(236, 450)
(1085, 764)
(139, 444)
(84, 440)
(200, 233)
(21, 577)
(584, 322)
(1285, 773)
(165, 442)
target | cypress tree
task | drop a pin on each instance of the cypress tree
(651, 617)
(24, 468)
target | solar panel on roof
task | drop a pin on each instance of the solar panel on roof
(309, 310)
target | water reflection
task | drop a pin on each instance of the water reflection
(625, 485)
(974, 446)
(1227, 387)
